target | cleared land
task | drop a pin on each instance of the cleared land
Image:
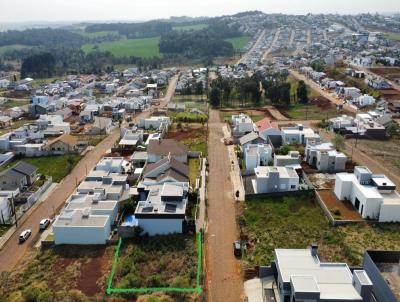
(255, 115)
(238, 42)
(190, 27)
(6, 48)
(145, 48)
(387, 153)
(297, 221)
(164, 261)
(64, 273)
(14, 103)
(56, 166)
(192, 135)
(315, 110)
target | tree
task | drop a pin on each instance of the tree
(338, 142)
(393, 129)
(215, 97)
(302, 93)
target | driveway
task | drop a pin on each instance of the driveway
(12, 251)
(223, 271)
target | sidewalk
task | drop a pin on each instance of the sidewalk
(13, 229)
(201, 214)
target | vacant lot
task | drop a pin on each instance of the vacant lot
(165, 261)
(56, 166)
(317, 109)
(296, 222)
(341, 210)
(385, 152)
(238, 42)
(187, 117)
(387, 72)
(194, 165)
(64, 273)
(145, 48)
(255, 115)
(190, 27)
(192, 135)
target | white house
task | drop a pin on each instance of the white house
(324, 157)
(4, 83)
(298, 135)
(155, 122)
(242, 124)
(163, 207)
(81, 227)
(292, 159)
(365, 100)
(275, 179)
(101, 125)
(373, 196)
(257, 155)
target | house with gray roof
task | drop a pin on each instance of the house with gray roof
(19, 176)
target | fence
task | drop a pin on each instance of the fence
(33, 198)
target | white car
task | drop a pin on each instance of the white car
(24, 235)
(44, 223)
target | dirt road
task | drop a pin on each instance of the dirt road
(223, 272)
(12, 251)
(324, 93)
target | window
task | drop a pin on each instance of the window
(293, 186)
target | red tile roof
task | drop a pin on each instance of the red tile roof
(266, 124)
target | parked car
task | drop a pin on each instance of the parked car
(24, 235)
(44, 223)
(237, 250)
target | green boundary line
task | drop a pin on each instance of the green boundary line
(197, 289)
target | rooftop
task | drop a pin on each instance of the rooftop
(80, 218)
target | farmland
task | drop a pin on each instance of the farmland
(238, 42)
(145, 48)
(297, 221)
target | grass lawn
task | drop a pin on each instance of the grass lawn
(145, 48)
(93, 140)
(44, 81)
(297, 222)
(188, 117)
(190, 27)
(192, 135)
(56, 166)
(161, 261)
(392, 36)
(310, 112)
(238, 42)
(14, 103)
(194, 164)
(3, 229)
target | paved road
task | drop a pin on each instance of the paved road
(223, 272)
(12, 251)
(276, 37)
(259, 39)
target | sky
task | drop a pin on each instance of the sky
(93, 10)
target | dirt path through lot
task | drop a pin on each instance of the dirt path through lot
(223, 272)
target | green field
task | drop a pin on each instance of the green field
(393, 36)
(56, 166)
(190, 27)
(5, 48)
(145, 48)
(14, 103)
(238, 42)
(297, 222)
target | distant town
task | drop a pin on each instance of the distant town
(252, 157)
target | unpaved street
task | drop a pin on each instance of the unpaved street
(12, 251)
(223, 272)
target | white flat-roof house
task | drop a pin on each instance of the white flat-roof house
(302, 277)
(275, 179)
(298, 135)
(373, 195)
(162, 208)
(155, 122)
(257, 155)
(242, 124)
(81, 227)
(325, 157)
(292, 159)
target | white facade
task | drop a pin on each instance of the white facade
(293, 158)
(373, 196)
(365, 100)
(242, 124)
(298, 135)
(275, 179)
(325, 158)
(155, 122)
(257, 155)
